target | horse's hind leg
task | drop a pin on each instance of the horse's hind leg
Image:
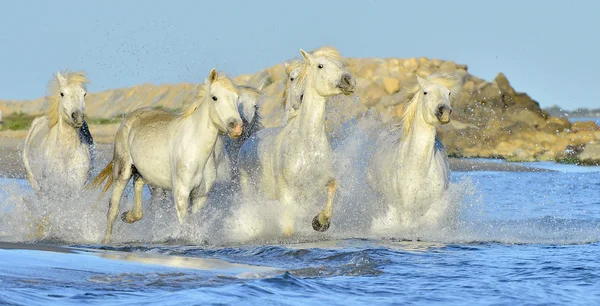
(135, 214)
(122, 176)
(321, 221)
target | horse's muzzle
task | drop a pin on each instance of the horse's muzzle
(443, 113)
(77, 118)
(347, 84)
(235, 128)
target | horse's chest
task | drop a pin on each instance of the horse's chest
(308, 164)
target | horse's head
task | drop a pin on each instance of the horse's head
(71, 96)
(248, 102)
(223, 95)
(293, 88)
(328, 71)
(436, 101)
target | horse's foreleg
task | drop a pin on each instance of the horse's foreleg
(181, 197)
(135, 214)
(286, 198)
(113, 208)
(198, 198)
(321, 221)
(244, 181)
(199, 195)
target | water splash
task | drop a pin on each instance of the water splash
(464, 214)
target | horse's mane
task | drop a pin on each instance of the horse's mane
(53, 96)
(223, 79)
(448, 80)
(249, 90)
(328, 52)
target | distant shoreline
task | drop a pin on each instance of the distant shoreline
(11, 165)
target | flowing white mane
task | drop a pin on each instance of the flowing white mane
(448, 80)
(53, 96)
(222, 79)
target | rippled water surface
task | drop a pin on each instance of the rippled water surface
(519, 238)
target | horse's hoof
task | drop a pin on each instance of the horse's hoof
(124, 217)
(317, 226)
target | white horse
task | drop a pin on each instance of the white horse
(58, 148)
(409, 167)
(292, 94)
(227, 148)
(294, 89)
(171, 152)
(293, 164)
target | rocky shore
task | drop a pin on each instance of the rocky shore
(490, 119)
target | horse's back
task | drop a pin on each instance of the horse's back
(142, 141)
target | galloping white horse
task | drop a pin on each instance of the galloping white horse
(294, 89)
(293, 164)
(292, 94)
(171, 152)
(227, 148)
(58, 148)
(410, 167)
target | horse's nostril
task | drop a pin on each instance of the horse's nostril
(232, 125)
(346, 79)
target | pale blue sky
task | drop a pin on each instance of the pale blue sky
(548, 49)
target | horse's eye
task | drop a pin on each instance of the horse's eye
(425, 93)
(215, 98)
(292, 79)
(449, 93)
(85, 94)
(320, 66)
(62, 94)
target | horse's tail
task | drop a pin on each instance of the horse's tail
(105, 175)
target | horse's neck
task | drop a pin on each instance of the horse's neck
(311, 119)
(64, 133)
(419, 144)
(198, 127)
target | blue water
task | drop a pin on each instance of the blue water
(521, 238)
(575, 119)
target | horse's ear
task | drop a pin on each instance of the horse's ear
(422, 81)
(288, 67)
(306, 56)
(61, 79)
(212, 76)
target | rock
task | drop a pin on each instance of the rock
(411, 65)
(448, 66)
(591, 151)
(390, 85)
(503, 84)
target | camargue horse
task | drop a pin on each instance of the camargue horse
(409, 167)
(58, 149)
(227, 148)
(293, 92)
(171, 152)
(293, 164)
